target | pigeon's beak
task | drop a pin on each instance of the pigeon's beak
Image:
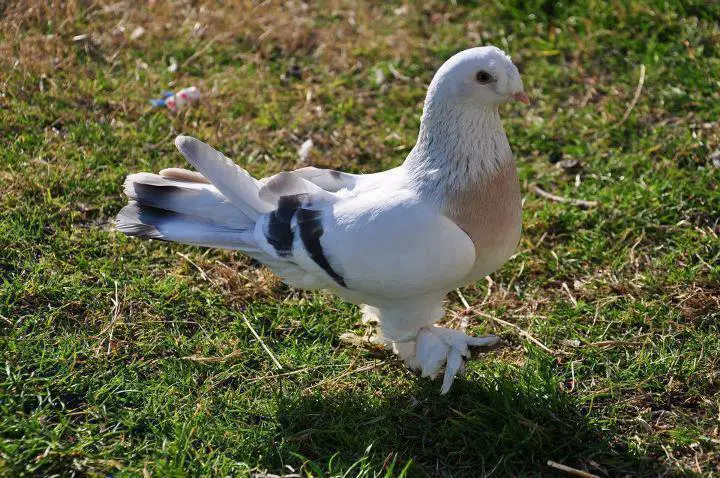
(522, 97)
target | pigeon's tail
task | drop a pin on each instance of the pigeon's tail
(180, 207)
(215, 207)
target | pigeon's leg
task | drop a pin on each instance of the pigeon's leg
(435, 347)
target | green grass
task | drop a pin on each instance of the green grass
(105, 339)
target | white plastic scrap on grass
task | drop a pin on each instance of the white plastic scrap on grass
(178, 101)
(305, 149)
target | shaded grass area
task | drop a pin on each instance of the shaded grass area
(122, 358)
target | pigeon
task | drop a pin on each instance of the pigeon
(393, 242)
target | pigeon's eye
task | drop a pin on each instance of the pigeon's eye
(483, 77)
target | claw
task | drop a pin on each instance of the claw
(452, 367)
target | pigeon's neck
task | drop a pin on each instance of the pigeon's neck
(458, 150)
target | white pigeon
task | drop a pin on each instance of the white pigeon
(394, 242)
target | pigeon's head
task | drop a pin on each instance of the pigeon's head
(482, 76)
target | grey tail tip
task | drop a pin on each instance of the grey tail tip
(136, 229)
(186, 143)
(129, 222)
(143, 231)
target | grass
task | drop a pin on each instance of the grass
(121, 358)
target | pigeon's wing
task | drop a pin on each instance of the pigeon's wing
(289, 184)
(328, 179)
(384, 243)
(333, 181)
(289, 233)
(390, 244)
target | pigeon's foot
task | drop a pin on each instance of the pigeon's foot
(435, 347)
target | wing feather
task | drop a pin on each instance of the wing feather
(230, 179)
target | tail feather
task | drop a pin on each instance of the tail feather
(230, 179)
(217, 207)
(183, 175)
(154, 223)
(196, 199)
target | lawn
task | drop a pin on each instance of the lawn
(125, 357)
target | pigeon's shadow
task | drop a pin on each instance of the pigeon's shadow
(505, 424)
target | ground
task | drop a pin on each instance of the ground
(125, 357)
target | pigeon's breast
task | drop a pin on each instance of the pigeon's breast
(490, 213)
